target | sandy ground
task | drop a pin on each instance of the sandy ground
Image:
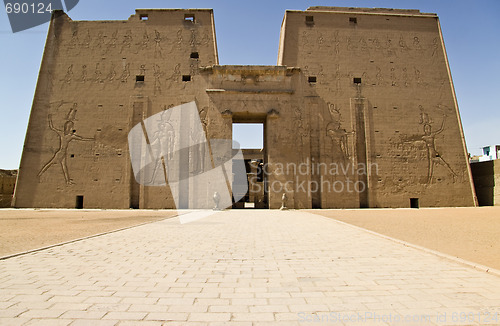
(22, 230)
(469, 233)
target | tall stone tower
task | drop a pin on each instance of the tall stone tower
(359, 112)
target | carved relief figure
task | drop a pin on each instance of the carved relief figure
(69, 75)
(87, 40)
(127, 41)
(435, 46)
(157, 74)
(145, 41)
(83, 78)
(114, 39)
(65, 137)
(338, 135)
(98, 74)
(125, 73)
(163, 141)
(112, 74)
(299, 127)
(336, 40)
(429, 139)
(74, 40)
(176, 73)
(157, 44)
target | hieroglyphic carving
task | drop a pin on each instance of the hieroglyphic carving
(66, 136)
(143, 70)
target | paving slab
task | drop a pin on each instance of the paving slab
(244, 267)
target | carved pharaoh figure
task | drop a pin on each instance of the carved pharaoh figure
(66, 136)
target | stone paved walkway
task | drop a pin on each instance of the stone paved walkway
(249, 267)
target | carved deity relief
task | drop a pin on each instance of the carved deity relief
(301, 130)
(100, 40)
(83, 77)
(389, 47)
(416, 43)
(125, 73)
(157, 75)
(113, 40)
(127, 41)
(402, 44)
(435, 46)
(336, 41)
(176, 74)
(144, 43)
(179, 37)
(112, 74)
(66, 136)
(69, 75)
(405, 77)
(418, 75)
(192, 40)
(157, 44)
(428, 138)
(87, 40)
(393, 77)
(74, 42)
(379, 76)
(162, 141)
(98, 73)
(338, 135)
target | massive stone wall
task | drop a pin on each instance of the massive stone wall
(353, 87)
(384, 91)
(7, 185)
(486, 180)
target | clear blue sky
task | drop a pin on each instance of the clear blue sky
(471, 31)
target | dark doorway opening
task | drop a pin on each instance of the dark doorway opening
(79, 202)
(414, 203)
(250, 135)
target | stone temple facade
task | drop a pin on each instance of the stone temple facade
(360, 110)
